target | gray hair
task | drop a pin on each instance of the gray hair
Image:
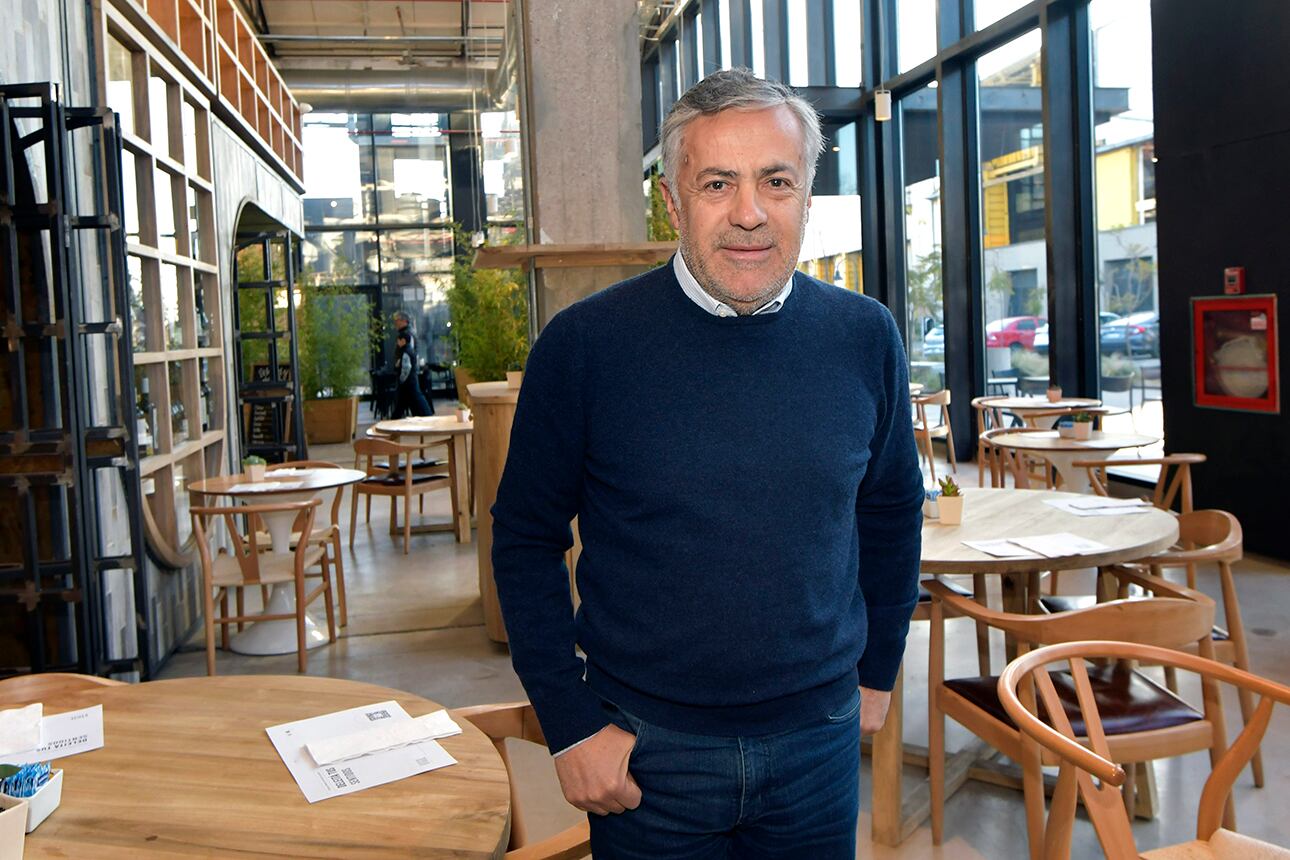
(739, 89)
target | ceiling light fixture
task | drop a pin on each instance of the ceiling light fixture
(882, 105)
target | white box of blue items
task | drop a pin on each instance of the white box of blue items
(39, 805)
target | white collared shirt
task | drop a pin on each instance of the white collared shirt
(718, 308)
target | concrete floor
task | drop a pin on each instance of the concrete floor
(415, 624)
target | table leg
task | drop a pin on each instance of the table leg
(279, 637)
(888, 761)
(458, 471)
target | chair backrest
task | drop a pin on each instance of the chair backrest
(388, 448)
(988, 416)
(1032, 417)
(1003, 460)
(1081, 764)
(337, 494)
(246, 550)
(1175, 617)
(34, 688)
(1173, 484)
(518, 720)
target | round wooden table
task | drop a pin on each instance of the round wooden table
(1023, 405)
(458, 433)
(1062, 452)
(188, 769)
(289, 485)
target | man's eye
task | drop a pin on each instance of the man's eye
(778, 183)
(716, 185)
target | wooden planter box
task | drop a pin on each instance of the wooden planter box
(332, 420)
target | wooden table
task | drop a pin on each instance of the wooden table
(1023, 405)
(990, 514)
(188, 769)
(278, 637)
(458, 433)
(1062, 452)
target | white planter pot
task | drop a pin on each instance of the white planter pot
(39, 805)
(13, 828)
(1054, 394)
(514, 378)
(463, 415)
(255, 472)
(951, 510)
(1066, 431)
(1083, 429)
(930, 509)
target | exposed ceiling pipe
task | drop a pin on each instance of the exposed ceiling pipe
(417, 89)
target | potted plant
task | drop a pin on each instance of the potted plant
(463, 412)
(1054, 393)
(337, 333)
(1118, 373)
(253, 467)
(950, 502)
(1082, 422)
(514, 376)
(490, 323)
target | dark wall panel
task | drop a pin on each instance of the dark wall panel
(1222, 107)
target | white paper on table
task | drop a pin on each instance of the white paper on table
(20, 729)
(383, 735)
(291, 471)
(333, 780)
(265, 486)
(1070, 507)
(999, 548)
(1059, 544)
(1090, 502)
(63, 735)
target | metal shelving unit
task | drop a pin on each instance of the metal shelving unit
(67, 431)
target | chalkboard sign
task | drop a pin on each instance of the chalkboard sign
(264, 429)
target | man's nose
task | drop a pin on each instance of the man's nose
(747, 211)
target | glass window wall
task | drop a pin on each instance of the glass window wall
(924, 299)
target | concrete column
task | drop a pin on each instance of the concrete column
(582, 130)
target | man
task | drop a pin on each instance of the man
(409, 400)
(403, 325)
(735, 440)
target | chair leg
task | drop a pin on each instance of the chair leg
(240, 601)
(327, 599)
(353, 515)
(210, 629)
(936, 768)
(982, 628)
(340, 579)
(407, 523)
(369, 508)
(1032, 783)
(223, 610)
(302, 653)
(1241, 655)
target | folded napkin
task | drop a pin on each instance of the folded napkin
(265, 486)
(20, 729)
(291, 471)
(383, 737)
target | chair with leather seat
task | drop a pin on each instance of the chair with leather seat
(1145, 721)
(399, 481)
(34, 688)
(1204, 537)
(425, 462)
(1084, 751)
(249, 566)
(924, 432)
(518, 720)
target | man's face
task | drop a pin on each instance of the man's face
(739, 202)
(400, 323)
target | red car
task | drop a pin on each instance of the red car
(1013, 332)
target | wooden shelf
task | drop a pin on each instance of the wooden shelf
(573, 256)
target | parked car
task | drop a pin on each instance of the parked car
(1135, 335)
(934, 342)
(1041, 333)
(1013, 332)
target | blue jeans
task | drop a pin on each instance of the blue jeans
(793, 794)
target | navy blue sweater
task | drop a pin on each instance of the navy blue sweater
(748, 498)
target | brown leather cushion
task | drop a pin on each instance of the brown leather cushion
(416, 464)
(396, 480)
(1070, 602)
(1127, 701)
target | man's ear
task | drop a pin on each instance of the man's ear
(673, 210)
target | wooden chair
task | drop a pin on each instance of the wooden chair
(34, 688)
(1003, 461)
(988, 417)
(925, 433)
(517, 720)
(326, 536)
(397, 480)
(249, 567)
(1173, 484)
(1204, 537)
(1082, 760)
(1149, 722)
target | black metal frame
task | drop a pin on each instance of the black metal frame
(63, 457)
(283, 397)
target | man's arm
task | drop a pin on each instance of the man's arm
(889, 521)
